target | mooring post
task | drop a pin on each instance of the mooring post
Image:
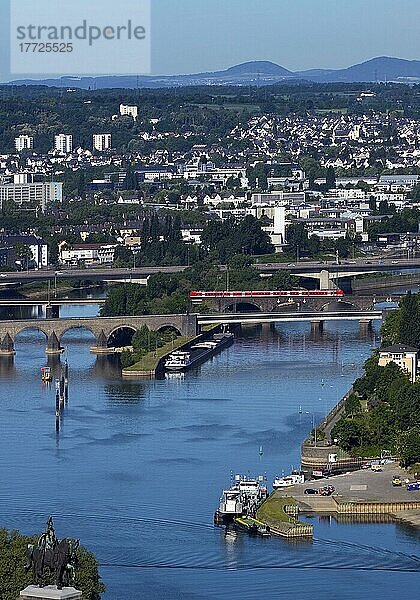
(66, 381)
(57, 405)
(61, 388)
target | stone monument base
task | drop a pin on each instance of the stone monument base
(50, 592)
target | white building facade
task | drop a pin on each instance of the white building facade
(24, 142)
(102, 141)
(63, 143)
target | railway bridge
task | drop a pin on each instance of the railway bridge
(263, 301)
(103, 328)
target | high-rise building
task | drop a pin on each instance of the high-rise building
(32, 194)
(24, 142)
(63, 143)
(102, 141)
(130, 111)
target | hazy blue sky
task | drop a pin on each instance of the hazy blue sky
(199, 35)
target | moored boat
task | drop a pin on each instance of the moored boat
(46, 375)
(198, 353)
(294, 478)
(178, 361)
(241, 500)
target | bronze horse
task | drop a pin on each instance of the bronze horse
(60, 560)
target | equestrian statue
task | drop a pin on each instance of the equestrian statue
(58, 555)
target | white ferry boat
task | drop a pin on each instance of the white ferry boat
(286, 481)
(242, 499)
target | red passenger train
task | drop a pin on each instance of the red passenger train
(200, 295)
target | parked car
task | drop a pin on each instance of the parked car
(413, 487)
(376, 468)
(310, 491)
(396, 481)
(326, 490)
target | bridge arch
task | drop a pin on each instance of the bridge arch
(242, 307)
(29, 328)
(334, 306)
(76, 327)
(122, 335)
(169, 327)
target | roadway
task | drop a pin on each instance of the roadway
(44, 302)
(256, 317)
(347, 268)
(103, 274)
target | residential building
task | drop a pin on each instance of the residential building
(102, 141)
(129, 111)
(31, 195)
(37, 256)
(63, 143)
(88, 254)
(406, 357)
(24, 142)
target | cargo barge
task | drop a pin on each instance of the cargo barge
(198, 353)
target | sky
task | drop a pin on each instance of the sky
(190, 36)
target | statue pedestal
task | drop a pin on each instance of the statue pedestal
(50, 592)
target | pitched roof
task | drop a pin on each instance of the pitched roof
(398, 348)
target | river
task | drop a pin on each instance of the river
(137, 468)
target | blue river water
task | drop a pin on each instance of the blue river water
(138, 467)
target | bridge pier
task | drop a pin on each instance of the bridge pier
(317, 328)
(365, 327)
(52, 312)
(53, 344)
(7, 347)
(101, 345)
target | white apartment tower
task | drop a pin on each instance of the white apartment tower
(130, 111)
(24, 142)
(102, 141)
(63, 143)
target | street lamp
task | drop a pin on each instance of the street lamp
(307, 412)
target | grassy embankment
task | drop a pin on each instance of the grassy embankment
(150, 361)
(272, 512)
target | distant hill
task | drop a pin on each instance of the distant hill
(383, 68)
(256, 73)
(261, 67)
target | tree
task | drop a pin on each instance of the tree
(409, 446)
(330, 179)
(297, 238)
(123, 257)
(353, 406)
(409, 323)
(342, 246)
(130, 179)
(24, 254)
(350, 433)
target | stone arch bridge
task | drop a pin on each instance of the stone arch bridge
(245, 304)
(101, 327)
